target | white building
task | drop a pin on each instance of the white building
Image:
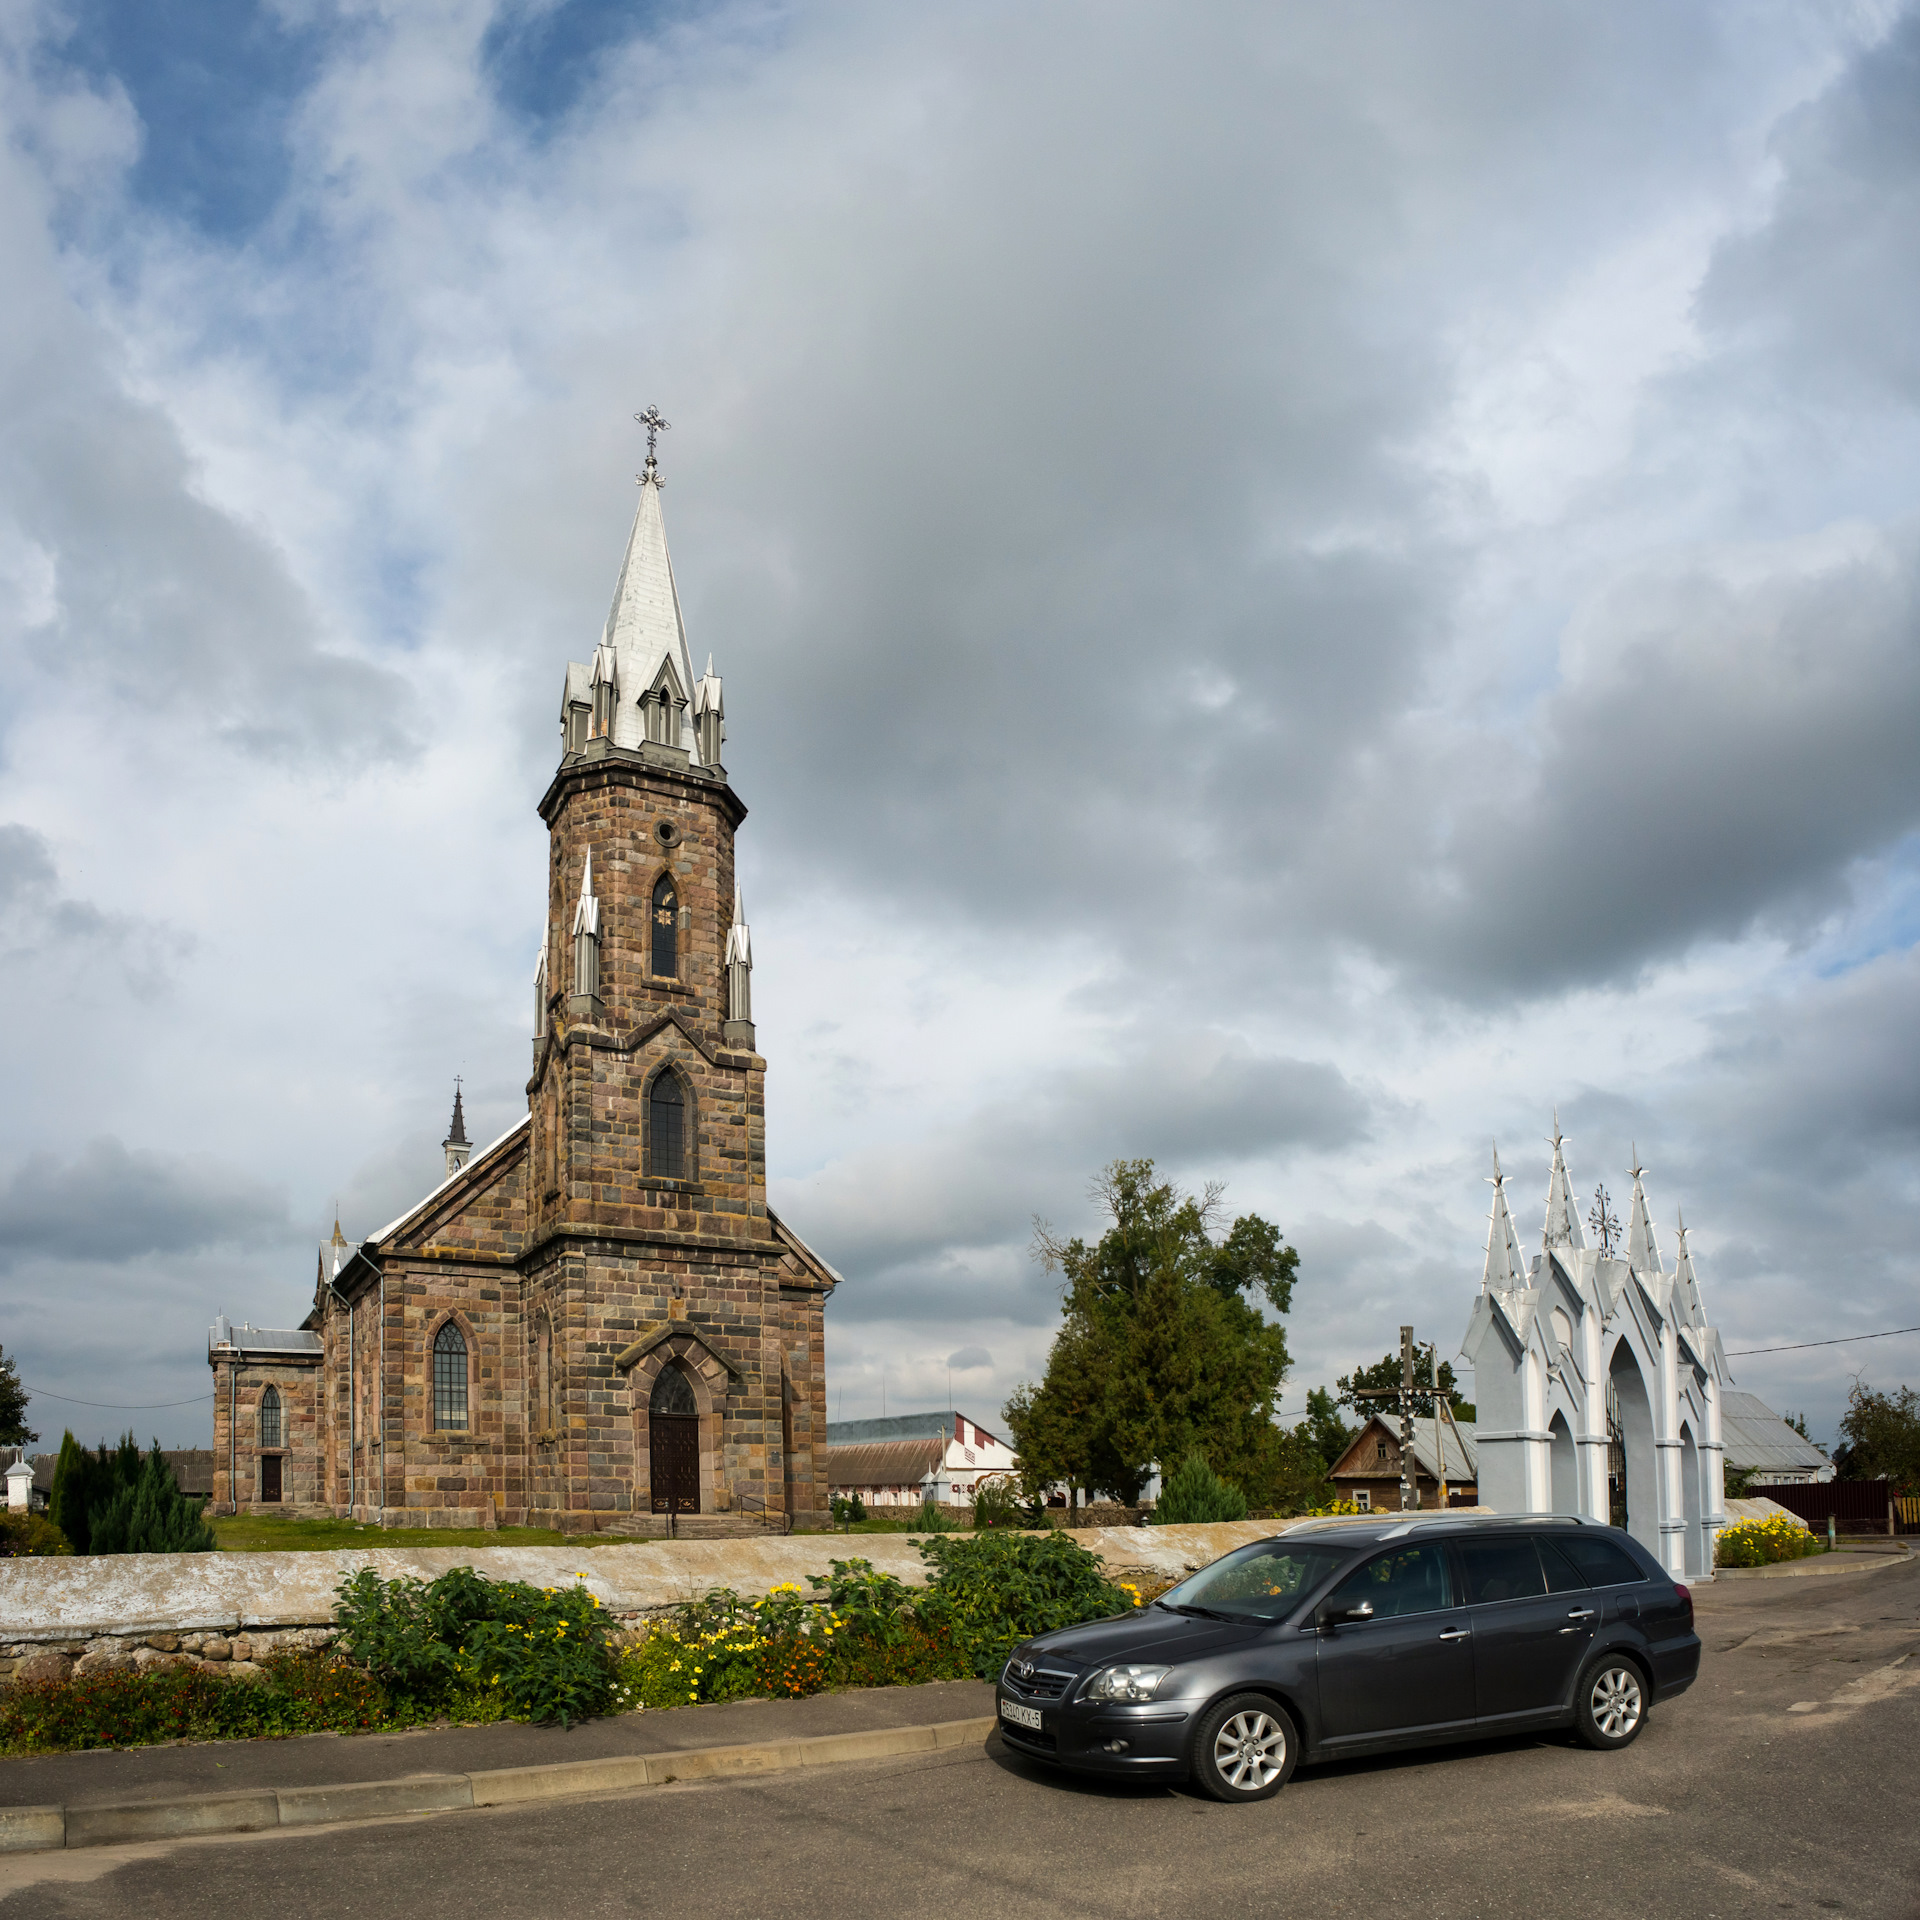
(1599, 1384)
(915, 1457)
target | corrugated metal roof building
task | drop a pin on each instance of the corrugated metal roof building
(1758, 1440)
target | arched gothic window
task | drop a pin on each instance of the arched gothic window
(673, 1394)
(450, 1380)
(667, 1128)
(665, 921)
(270, 1417)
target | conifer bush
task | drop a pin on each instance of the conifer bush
(1195, 1496)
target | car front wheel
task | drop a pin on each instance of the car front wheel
(1610, 1707)
(1244, 1749)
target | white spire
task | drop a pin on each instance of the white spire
(709, 715)
(1686, 1286)
(586, 916)
(1563, 1217)
(644, 630)
(737, 975)
(739, 939)
(1504, 1271)
(1643, 1253)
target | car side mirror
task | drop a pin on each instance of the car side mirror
(1332, 1616)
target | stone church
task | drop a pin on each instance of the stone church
(597, 1323)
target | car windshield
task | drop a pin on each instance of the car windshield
(1262, 1582)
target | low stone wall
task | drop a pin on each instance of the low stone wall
(143, 1609)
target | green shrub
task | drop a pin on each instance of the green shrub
(1196, 1495)
(294, 1693)
(848, 1507)
(917, 1653)
(30, 1535)
(543, 1653)
(997, 1503)
(864, 1603)
(994, 1590)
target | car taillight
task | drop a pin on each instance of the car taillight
(1687, 1598)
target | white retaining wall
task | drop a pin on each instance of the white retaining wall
(205, 1603)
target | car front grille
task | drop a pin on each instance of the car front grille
(1043, 1683)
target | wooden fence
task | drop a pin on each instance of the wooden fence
(1854, 1506)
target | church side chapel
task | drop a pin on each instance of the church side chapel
(596, 1323)
(1599, 1384)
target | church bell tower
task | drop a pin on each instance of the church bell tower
(655, 1269)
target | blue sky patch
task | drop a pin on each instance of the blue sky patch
(214, 83)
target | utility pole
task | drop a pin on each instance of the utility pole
(1409, 1467)
(1405, 1393)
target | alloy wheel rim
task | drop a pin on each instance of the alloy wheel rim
(1615, 1702)
(1250, 1750)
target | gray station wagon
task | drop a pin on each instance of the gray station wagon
(1331, 1641)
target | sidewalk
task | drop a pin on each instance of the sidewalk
(101, 1777)
(1844, 1560)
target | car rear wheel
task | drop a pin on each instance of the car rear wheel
(1244, 1749)
(1610, 1706)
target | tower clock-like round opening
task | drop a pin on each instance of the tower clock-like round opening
(665, 832)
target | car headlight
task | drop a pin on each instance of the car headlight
(1124, 1683)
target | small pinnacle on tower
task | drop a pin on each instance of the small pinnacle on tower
(458, 1147)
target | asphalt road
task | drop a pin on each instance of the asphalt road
(1730, 1803)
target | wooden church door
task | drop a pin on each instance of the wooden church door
(673, 1444)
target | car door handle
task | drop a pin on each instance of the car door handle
(1581, 1613)
(1456, 1633)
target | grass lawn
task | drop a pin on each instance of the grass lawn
(257, 1533)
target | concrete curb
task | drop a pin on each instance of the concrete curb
(36, 1829)
(1816, 1568)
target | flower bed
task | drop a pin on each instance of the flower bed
(472, 1650)
(1763, 1542)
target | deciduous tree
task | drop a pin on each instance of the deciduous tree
(1162, 1349)
(1880, 1437)
(14, 1431)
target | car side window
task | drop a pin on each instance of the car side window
(1408, 1580)
(1562, 1575)
(1604, 1563)
(1501, 1570)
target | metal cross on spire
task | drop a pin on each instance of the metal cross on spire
(655, 427)
(1604, 1221)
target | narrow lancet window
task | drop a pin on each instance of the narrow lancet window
(667, 1128)
(665, 921)
(450, 1380)
(270, 1417)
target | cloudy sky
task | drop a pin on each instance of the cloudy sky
(1296, 586)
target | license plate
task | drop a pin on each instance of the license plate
(1019, 1715)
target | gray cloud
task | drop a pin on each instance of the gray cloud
(919, 1223)
(1731, 732)
(1827, 286)
(109, 1202)
(1094, 470)
(967, 1358)
(158, 598)
(40, 923)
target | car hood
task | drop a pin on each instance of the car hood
(1151, 1634)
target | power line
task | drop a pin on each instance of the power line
(1845, 1340)
(116, 1406)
